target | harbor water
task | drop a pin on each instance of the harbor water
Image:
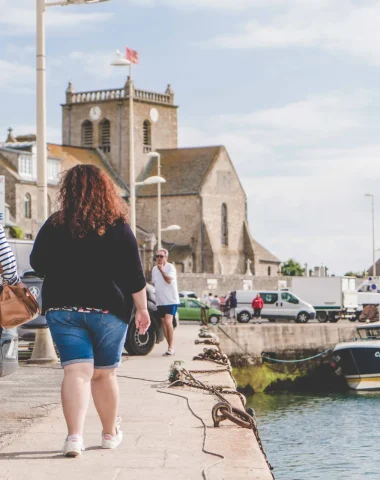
(327, 437)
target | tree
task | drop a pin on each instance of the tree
(291, 268)
(355, 274)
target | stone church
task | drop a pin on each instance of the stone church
(202, 193)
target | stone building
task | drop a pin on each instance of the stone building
(202, 193)
(18, 163)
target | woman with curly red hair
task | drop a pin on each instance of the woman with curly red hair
(92, 272)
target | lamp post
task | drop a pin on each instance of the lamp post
(121, 61)
(159, 229)
(42, 210)
(373, 232)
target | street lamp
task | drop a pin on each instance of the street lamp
(373, 232)
(171, 228)
(121, 61)
(42, 210)
(155, 180)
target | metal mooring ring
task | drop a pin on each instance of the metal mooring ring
(223, 408)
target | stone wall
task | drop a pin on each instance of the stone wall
(204, 283)
(222, 186)
(29, 225)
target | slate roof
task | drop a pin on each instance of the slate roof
(184, 170)
(75, 155)
(264, 254)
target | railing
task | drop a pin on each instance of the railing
(98, 96)
(147, 148)
(153, 97)
(121, 93)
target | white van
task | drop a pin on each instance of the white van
(278, 304)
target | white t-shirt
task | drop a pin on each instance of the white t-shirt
(166, 293)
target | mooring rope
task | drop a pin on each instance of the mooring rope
(298, 360)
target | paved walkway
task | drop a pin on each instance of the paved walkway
(162, 438)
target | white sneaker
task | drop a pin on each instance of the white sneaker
(73, 446)
(169, 353)
(113, 441)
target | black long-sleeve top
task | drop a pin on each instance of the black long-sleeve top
(96, 271)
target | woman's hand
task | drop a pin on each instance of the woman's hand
(142, 320)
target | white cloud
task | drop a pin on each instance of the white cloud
(224, 4)
(306, 191)
(15, 75)
(21, 19)
(97, 64)
(343, 26)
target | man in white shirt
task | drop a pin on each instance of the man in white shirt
(164, 277)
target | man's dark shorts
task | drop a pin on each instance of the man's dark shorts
(167, 310)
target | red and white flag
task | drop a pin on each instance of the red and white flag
(132, 55)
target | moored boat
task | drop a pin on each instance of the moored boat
(359, 359)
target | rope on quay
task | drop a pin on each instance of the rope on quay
(296, 361)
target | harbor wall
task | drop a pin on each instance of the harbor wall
(284, 338)
(288, 346)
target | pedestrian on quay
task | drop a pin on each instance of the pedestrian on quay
(232, 304)
(215, 302)
(257, 305)
(90, 262)
(208, 300)
(164, 277)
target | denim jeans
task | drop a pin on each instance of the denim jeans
(88, 337)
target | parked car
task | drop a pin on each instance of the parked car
(278, 305)
(186, 293)
(27, 332)
(135, 343)
(8, 351)
(190, 309)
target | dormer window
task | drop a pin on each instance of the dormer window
(53, 169)
(25, 166)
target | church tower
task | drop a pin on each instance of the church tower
(100, 119)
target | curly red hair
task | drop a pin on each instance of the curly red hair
(88, 201)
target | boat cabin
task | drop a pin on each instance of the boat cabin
(369, 331)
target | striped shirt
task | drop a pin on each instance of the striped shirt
(7, 261)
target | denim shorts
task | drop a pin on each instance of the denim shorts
(88, 337)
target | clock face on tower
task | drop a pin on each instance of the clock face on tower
(154, 115)
(95, 113)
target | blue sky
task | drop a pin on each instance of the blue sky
(291, 87)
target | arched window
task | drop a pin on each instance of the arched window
(147, 136)
(87, 133)
(49, 205)
(269, 271)
(105, 135)
(28, 205)
(224, 225)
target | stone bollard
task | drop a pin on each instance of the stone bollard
(43, 350)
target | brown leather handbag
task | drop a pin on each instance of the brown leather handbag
(17, 305)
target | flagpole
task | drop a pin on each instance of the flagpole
(132, 178)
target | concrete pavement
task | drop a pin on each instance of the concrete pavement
(162, 438)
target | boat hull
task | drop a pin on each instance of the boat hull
(359, 362)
